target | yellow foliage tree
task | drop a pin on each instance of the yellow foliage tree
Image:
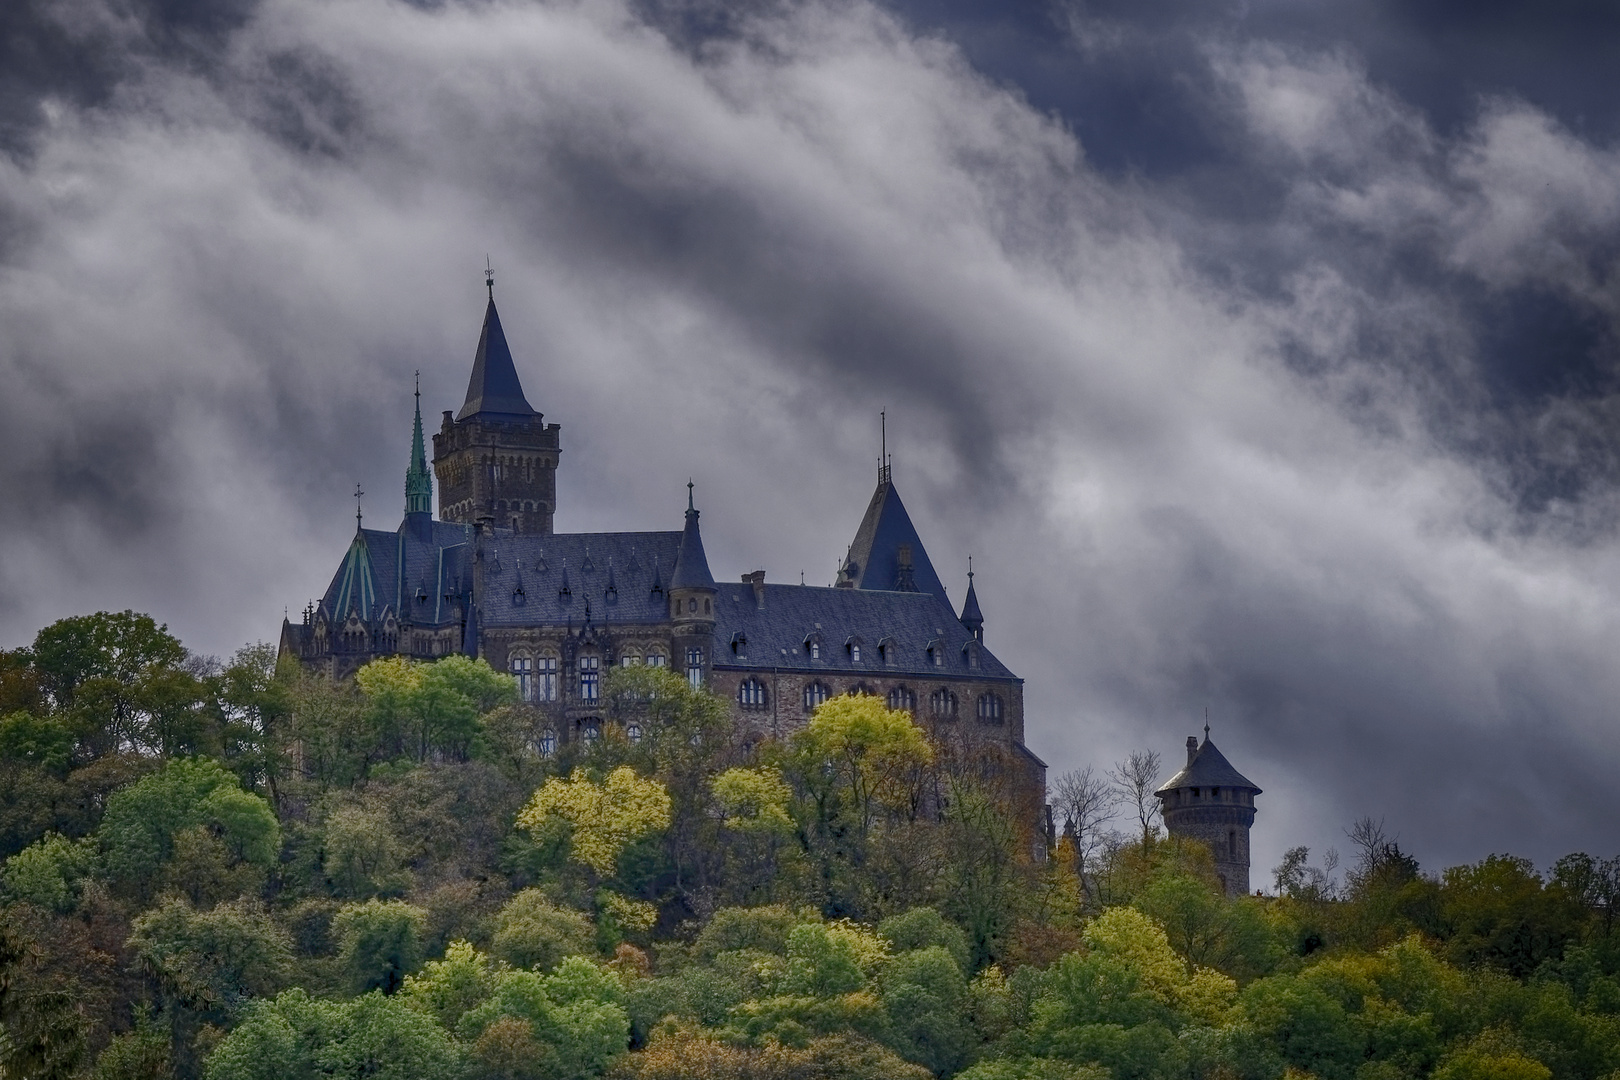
(872, 747)
(1131, 936)
(602, 819)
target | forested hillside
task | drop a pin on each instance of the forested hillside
(222, 870)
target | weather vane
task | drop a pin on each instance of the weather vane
(358, 492)
(489, 278)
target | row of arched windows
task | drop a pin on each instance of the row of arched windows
(942, 703)
(538, 680)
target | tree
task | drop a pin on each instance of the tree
(379, 943)
(532, 932)
(423, 709)
(1134, 781)
(869, 748)
(1086, 803)
(297, 1037)
(51, 873)
(600, 820)
(926, 997)
(212, 962)
(568, 1025)
(137, 833)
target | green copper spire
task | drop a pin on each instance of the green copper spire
(418, 481)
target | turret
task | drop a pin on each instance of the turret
(691, 599)
(1212, 802)
(971, 618)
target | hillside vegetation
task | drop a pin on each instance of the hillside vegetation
(223, 870)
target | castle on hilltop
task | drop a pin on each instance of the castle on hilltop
(490, 578)
(1212, 802)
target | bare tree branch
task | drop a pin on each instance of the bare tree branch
(1086, 802)
(1134, 779)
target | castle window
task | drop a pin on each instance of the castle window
(942, 703)
(656, 659)
(990, 708)
(629, 661)
(694, 667)
(633, 733)
(814, 694)
(887, 651)
(903, 699)
(1231, 843)
(707, 608)
(1214, 792)
(590, 678)
(739, 644)
(691, 606)
(545, 679)
(854, 651)
(548, 743)
(751, 694)
(591, 731)
(523, 670)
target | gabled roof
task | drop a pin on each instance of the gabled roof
(777, 628)
(494, 386)
(631, 562)
(354, 590)
(874, 558)
(1208, 768)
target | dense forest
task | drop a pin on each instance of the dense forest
(225, 870)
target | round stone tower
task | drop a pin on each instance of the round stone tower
(1212, 802)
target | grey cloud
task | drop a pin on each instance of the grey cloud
(1208, 446)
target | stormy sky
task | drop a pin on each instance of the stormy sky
(1263, 355)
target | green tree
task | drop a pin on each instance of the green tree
(379, 943)
(532, 932)
(41, 741)
(51, 873)
(212, 962)
(137, 833)
(926, 997)
(567, 1025)
(431, 708)
(297, 1037)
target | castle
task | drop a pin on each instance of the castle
(490, 578)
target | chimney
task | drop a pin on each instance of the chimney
(1192, 748)
(757, 580)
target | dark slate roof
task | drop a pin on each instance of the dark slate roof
(692, 566)
(588, 562)
(776, 631)
(494, 386)
(874, 558)
(1208, 768)
(388, 569)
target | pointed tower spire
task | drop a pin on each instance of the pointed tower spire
(494, 386)
(691, 564)
(971, 618)
(418, 481)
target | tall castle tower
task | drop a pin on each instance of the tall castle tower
(496, 459)
(1212, 802)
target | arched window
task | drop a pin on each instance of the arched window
(1231, 843)
(591, 731)
(903, 698)
(548, 743)
(989, 709)
(814, 694)
(523, 671)
(854, 646)
(633, 733)
(656, 659)
(812, 646)
(942, 703)
(751, 694)
(590, 678)
(694, 667)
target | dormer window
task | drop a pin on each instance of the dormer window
(888, 652)
(739, 645)
(853, 646)
(812, 646)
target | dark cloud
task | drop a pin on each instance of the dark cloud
(1264, 361)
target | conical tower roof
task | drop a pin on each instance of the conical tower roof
(971, 617)
(691, 564)
(418, 480)
(1208, 768)
(494, 386)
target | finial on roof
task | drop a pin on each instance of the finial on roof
(689, 487)
(489, 278)
(970, 569)
(883, 450)
(358, 492)
(1206, 723)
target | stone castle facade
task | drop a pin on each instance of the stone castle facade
(490, 578)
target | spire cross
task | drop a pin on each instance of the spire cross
(1206, 723)
(489, 278)
(689, 486)
(970, 568)
(419, 389)
(358, 492)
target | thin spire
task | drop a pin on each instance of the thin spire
(418, 480)
(358, 492)
(1206, 723)
(689, 486)
(489, 277)
(883, 449)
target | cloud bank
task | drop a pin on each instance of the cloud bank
(1315, 431)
